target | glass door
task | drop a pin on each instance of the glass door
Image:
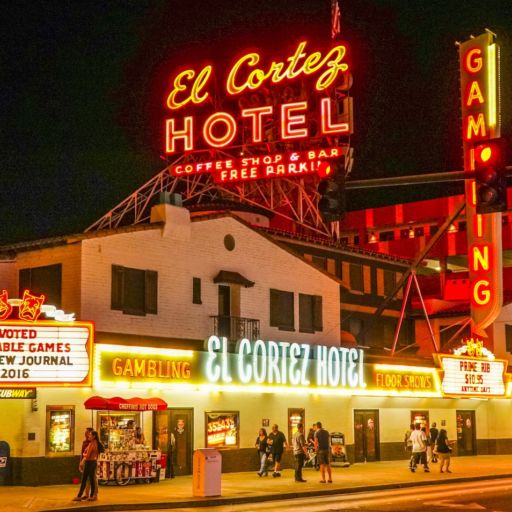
(366, 435)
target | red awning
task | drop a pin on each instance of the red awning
(117, 403)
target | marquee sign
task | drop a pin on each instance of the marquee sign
(301, 96)
(45, 353)
(473, 371)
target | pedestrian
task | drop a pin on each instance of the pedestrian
(433, 439)
(444, 451)
(408, 444)
(419, 448)
(299, 451)
(310, 442)
(322, 447)
(89, 463)
(426, 456)
(277, 442)
(85, 444)
(263, 449)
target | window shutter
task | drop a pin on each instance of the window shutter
(196, 290)
(151, 292)
(305, 313)
(274, 307)
(318, 324)
(117, 292)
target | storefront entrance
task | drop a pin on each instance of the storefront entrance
(420, 417)
(173, 435)
(466, 433)
(366, 436)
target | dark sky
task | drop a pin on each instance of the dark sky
(82, 84)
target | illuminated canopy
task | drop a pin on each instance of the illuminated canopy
(117, 403)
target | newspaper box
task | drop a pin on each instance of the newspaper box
(207, 469)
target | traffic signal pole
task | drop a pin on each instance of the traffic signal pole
(417, 179)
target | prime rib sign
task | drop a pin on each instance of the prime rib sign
(260, 109)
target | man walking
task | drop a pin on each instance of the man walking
(433, 438)
(299, 451)
(419, 448)
(277, 442)
(322, 447)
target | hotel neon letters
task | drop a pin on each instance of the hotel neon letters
(247, 74)
(284, 363)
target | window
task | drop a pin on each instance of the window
(310, 313)
(356, 277)
(196, 290)
(389, 282)
(43, 280)
(281, 310)
(222, 429)
(320, 261)
(508, 337)
(134, 291)
(385, 236)
(59, 429)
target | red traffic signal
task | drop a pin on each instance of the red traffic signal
(490, 176)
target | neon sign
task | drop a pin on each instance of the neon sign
(276, 165)
(30, 308)
(284, 363)
(45, 353)
(266, 116)
(473, 371)
(479, 89)
(188, 85)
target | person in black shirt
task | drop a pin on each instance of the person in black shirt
(433, 438)
(262, 447)
(277, 442)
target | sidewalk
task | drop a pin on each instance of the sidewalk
(248, 487)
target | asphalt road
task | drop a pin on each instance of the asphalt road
(490, 495)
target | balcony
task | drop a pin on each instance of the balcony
(234, 328)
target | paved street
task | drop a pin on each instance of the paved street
(244, 488)
(487, 495)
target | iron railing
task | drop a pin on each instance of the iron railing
(234, 327)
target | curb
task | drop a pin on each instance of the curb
(213, 502)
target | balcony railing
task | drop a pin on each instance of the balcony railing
(234, 328)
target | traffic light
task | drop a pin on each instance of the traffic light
(332, 194)
(490, 176)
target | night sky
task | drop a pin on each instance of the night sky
(83, 82)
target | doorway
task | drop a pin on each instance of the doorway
(466, 433)
(366, 435)
(420, 417)
(174, 433)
